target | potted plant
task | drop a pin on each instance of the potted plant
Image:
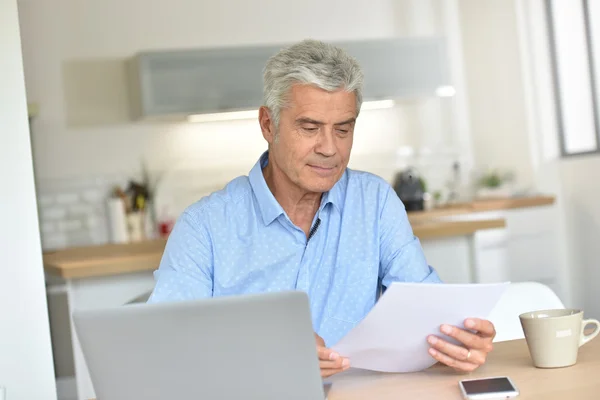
(494, 183)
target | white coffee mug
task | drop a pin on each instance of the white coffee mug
(555, 336)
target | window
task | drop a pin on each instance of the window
(574, 33)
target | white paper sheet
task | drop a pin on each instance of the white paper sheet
(393, 336)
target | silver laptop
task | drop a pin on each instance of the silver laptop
(242, 347)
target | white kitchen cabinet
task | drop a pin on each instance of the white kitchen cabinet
(451, 257)
(176, 83)
(478, 258)
(491, 256)
(527, 249)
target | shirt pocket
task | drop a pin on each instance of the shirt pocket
(353, 292)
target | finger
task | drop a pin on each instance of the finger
(325, 373)
(327, 354)
(484, 327)
(319, 340)
(456, 352)
(452, 362)
(469, 339)
(337, 364)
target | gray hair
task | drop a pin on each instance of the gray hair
(309, 62)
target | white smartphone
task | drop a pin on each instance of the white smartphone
(496, 387)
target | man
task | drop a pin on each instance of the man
(302, 220)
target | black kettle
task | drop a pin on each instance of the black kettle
(410, 187)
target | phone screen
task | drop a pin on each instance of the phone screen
(489, 385)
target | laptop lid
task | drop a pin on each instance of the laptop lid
(241, 347)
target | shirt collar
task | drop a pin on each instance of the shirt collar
(336, 194)
(268, 205)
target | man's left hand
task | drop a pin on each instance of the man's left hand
(476, 344)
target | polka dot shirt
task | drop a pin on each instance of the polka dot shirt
(240, 241)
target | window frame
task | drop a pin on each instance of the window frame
(557, 85)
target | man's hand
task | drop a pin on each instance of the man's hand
(330, 361)
(475, 349)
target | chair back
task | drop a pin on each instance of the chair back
(519, 298)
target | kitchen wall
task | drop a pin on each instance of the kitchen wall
(583, 213)
(495, 87)
(511, 112)
(26, 370)
(572, 179)
(84, 142)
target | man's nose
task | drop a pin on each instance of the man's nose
(326, 144)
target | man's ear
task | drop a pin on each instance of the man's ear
(267, 125)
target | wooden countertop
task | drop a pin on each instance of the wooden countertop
(511, 358)
(437, 229)
(482, 205)
(110, 259)
(113, 259)
(85, 262)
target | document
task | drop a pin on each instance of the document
(393, 336)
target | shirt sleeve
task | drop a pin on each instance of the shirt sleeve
(186, 267)
(401, 255)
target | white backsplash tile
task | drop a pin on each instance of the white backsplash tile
(53, 213)
(93, 195)
(70, 225)
(67, 198)
(81, 209)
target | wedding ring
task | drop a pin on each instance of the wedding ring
(468, 355)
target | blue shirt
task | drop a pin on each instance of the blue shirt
(239, 240)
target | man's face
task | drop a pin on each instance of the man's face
(313, 143)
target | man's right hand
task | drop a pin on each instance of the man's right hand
(330, 362)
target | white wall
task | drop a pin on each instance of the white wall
(73, 69)
(495, 87)
(84, 142)
(511, 108)
(573, 179)
(25, 354)
(543, 137)
(579, 177)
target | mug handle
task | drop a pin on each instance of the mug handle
(586, 338)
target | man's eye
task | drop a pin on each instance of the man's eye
(310, 128)
(342, 130)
